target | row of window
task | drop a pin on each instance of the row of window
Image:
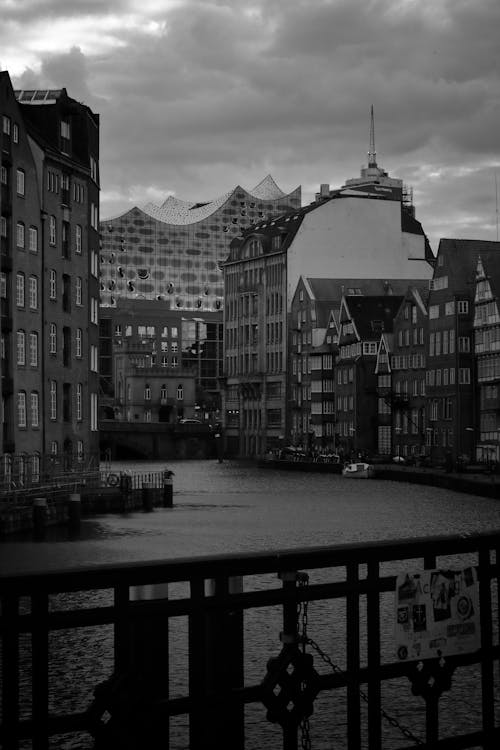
(407, 337)
(462, 308)
(34, 405)
(10, 128)
(145, 331)
(56, 181)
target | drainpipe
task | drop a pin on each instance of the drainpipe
(42, 348)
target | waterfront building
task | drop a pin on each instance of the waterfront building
(351, 234)
(402, 389)
(49, 277)
(149, 354)
(486, 435)
(313, 339)
(173, 252)
(451, 383)
(363, 320)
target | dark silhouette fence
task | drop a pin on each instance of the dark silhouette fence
(136, 706)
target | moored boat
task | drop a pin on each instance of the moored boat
(358, 470)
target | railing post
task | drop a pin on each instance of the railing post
(289, 636)
(353, 659)
(40, 677)
(10, 672)
(224, 665)
(373, 634)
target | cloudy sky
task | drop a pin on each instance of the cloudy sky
(196, 97)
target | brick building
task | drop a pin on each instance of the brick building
(451, 367)
(150, 354)
(485, 439)
(49, 276)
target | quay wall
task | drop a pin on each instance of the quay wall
(18, 517)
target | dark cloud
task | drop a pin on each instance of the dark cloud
(219, 93)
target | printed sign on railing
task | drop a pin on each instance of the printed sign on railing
(437, 613)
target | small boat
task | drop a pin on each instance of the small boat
(359, 470)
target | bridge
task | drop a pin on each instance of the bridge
(155, 440)
(176, 663)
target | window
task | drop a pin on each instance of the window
(78, 343)
(147, 392)
(52, 338)
(4, 175)
(464, 375)
(78, 291)
(78, 239)
(33, 349)
(21, 409)
(20, 348)
(94, 263)
(65, 239)
(3, 285)
(6, 124)
(434, 312)
(173, 332)
(3, 226)
(94, 310)
(20, 290)
(93, 169)
(33, 292)
(35, 412)
(54, 448)
(94, 216)
(66, 346)
(449, 308)
(79, 402)
(94, 426)
(52, 230)
(65, 129)
(33, 240)
(15, 133)
(20, 235)
(93, 358)
(463, 344)
(52, 284)
(79, 450)
(180, 392)
(462, 307)
(20, 182)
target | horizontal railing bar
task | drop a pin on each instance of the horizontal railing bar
(91, 616)
(182, 569)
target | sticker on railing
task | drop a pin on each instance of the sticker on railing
(437, 613)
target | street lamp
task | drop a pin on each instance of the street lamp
(398, 431)
(470, 430)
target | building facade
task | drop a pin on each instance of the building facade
(486, 436)
(451, 366)
(172, 253)
(49, 283)
(149, 354)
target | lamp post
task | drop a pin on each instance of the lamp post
(398, 431)
(470, 430)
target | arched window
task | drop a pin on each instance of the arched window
(147, 392)
(163, 391)
(35, 410)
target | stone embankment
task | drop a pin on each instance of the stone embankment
(471, 482)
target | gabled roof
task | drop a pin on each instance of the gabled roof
(460, 260)
(366, 312)
(334, 289)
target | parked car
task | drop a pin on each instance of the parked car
(190, 420)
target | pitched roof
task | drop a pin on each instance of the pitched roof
(365, 310)
(333, 289)
(460, 260)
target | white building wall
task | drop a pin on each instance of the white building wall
(355, 238)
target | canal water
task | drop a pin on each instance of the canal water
(235, 507)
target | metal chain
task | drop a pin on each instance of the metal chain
(302, 614)
(303, 580)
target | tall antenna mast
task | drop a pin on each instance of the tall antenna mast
(496, 201)
(372, 154)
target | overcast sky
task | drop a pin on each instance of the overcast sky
(197, 97)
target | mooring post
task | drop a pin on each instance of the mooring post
(40, 512)
(74, 512)
(168, 489)
(147, 497)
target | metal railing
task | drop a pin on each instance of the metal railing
(218, 602)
